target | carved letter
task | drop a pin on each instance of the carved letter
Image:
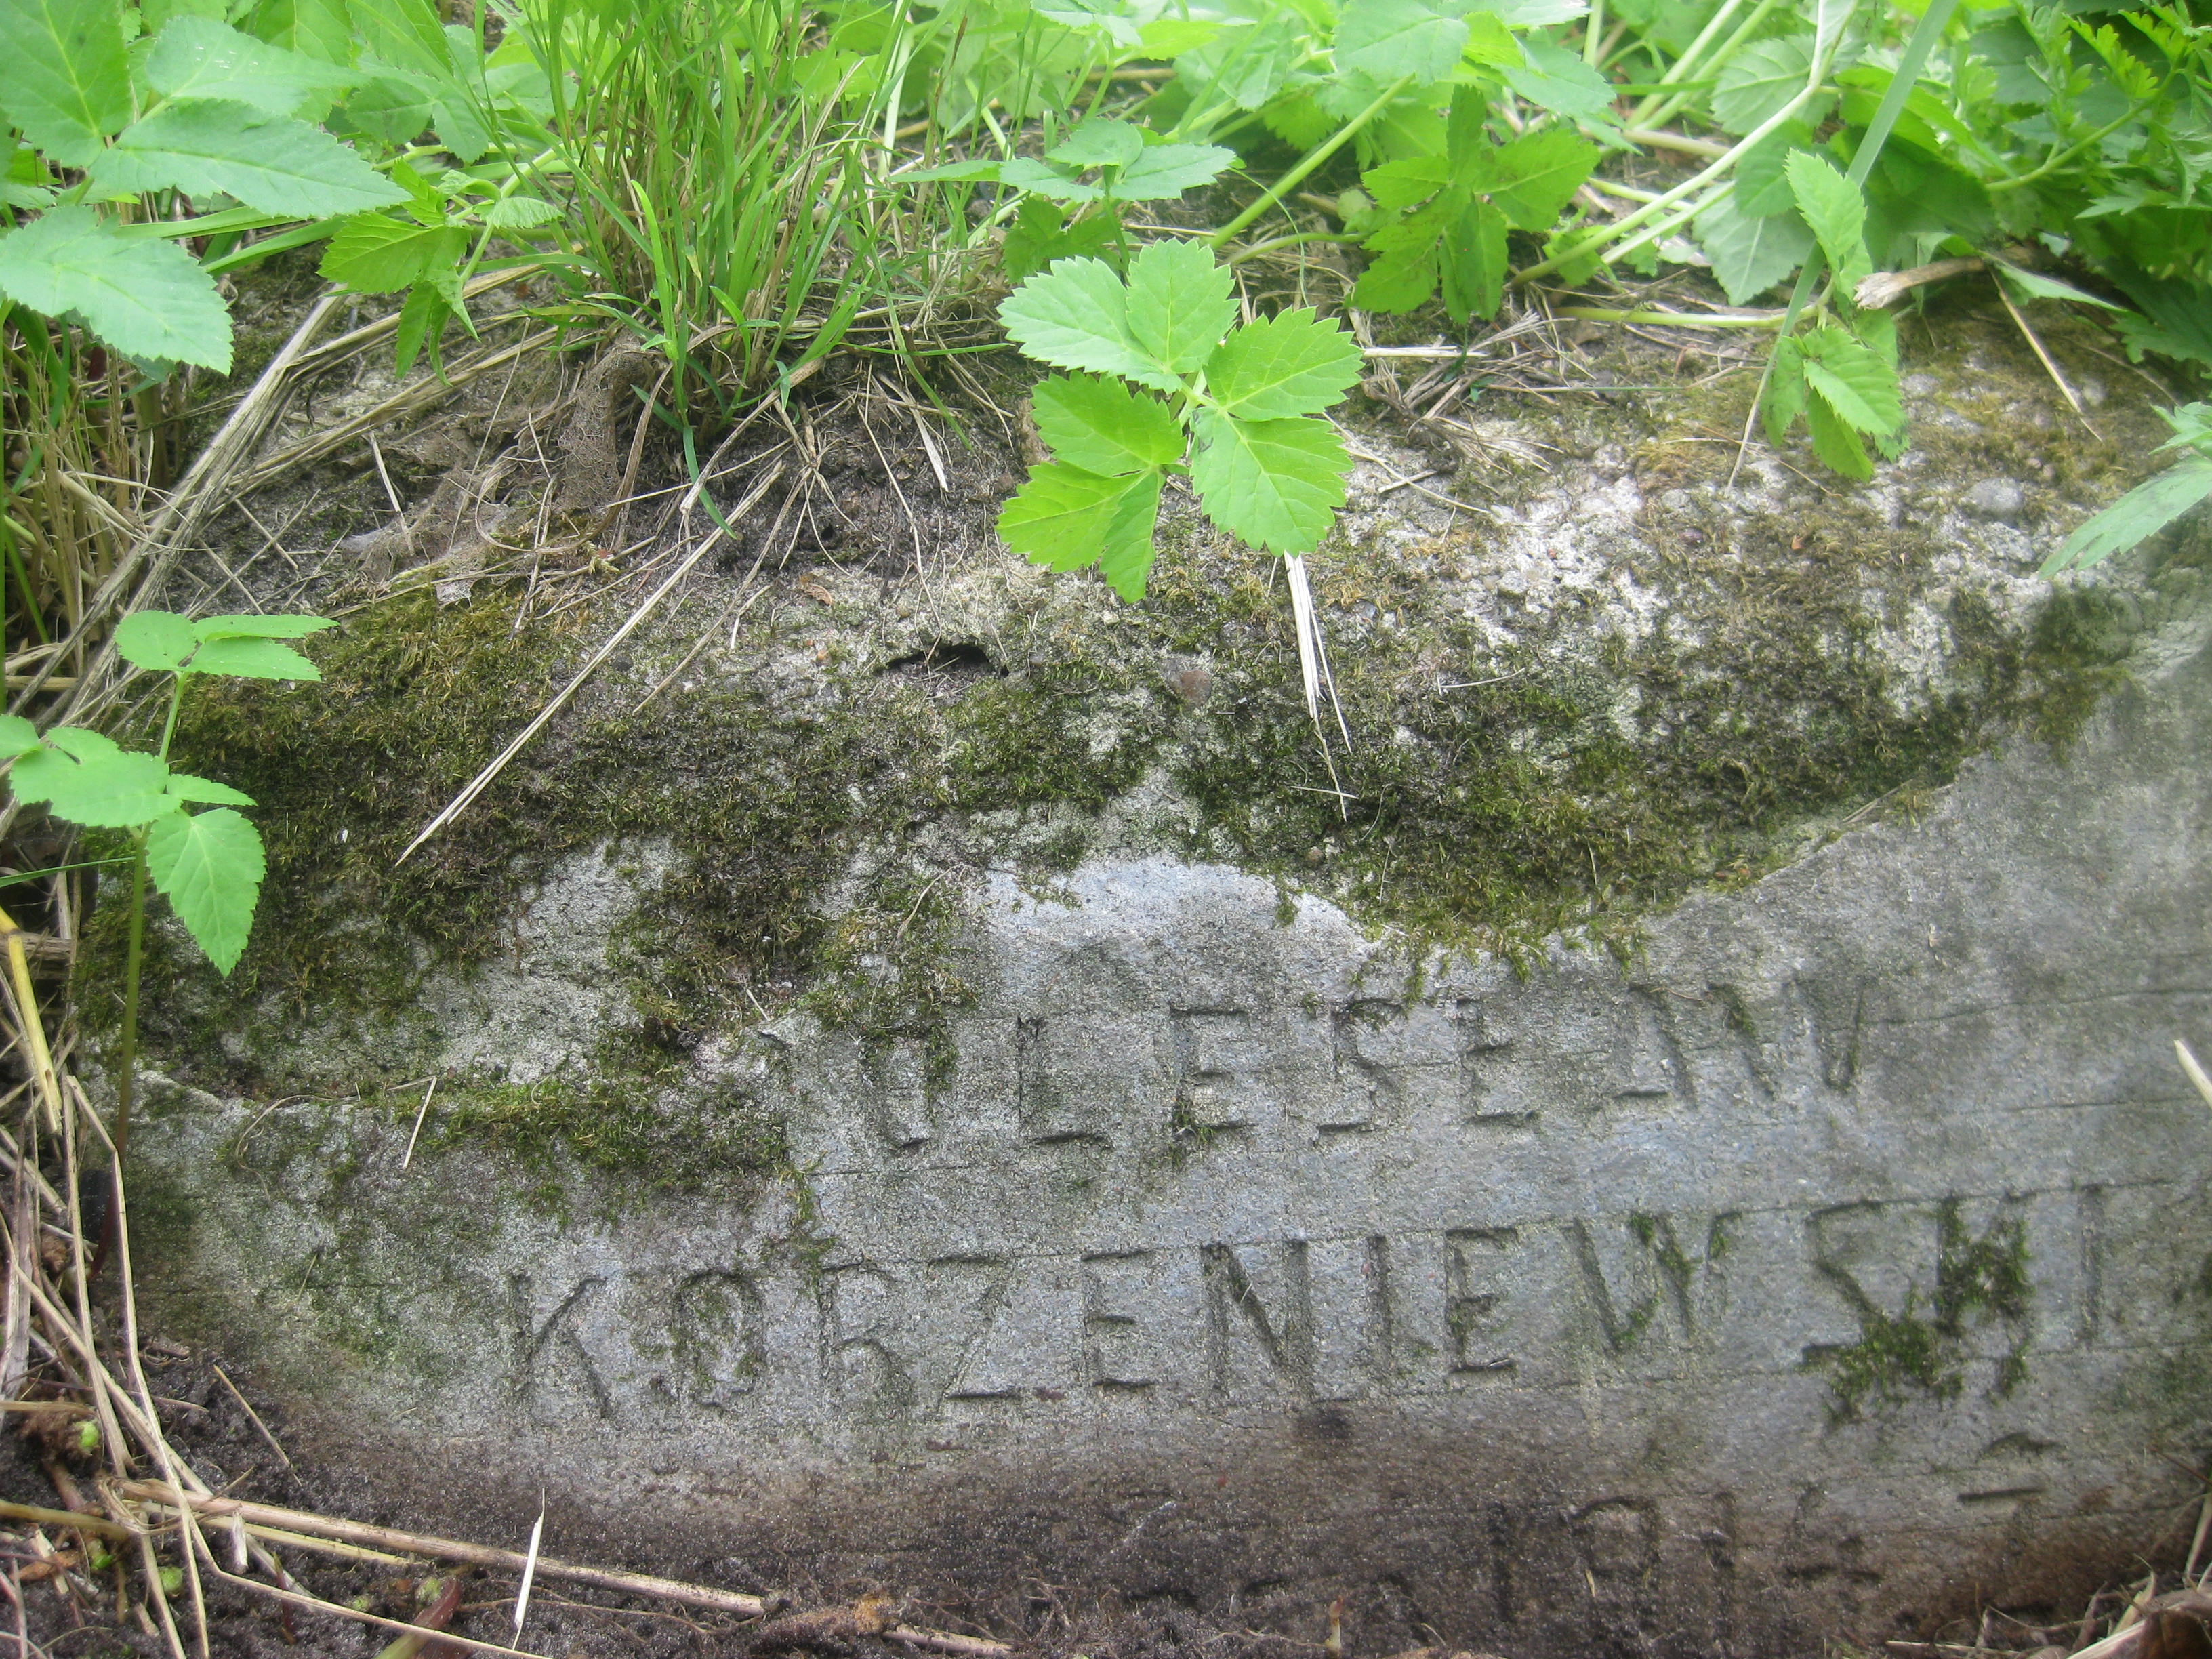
(1473, 1299)
(1284, 1338)
(535, 1343)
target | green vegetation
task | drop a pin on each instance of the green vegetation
(2148, 507)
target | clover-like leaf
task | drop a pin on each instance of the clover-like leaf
(1075, 315)
(209, 866)
(1275, 484)
(1103, 427)
(1292, 363)
(155, 640)
(1179, 306)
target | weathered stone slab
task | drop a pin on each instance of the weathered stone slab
(1848, 1239)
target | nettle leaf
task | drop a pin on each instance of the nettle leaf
(67, 83)
(1075, 315)
(1751, 255)
(1859, 384)
(1179, 306)
(1164, 171)
(209, 866)
(17, 736)
(1066, 519)
(1292, 363)
(156, 640)
(282, 625)
(146, 297)
(376, 253)
(206, 791)
(100, 785)
(1388, 38)
(1832, 206)
(208, 147)
(252, 659)
(1834, 440)
(1103, 427)
(1275, 484)
(1760, 79)
(1533, 178)
(2143, 511)
(1100, 141)
(201, 58)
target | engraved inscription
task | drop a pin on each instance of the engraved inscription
(1475, 1320)
(1221, 1060)
(1392, 1061)
(549, 1353)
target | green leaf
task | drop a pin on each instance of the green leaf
(1490, 42)
(1402, 184)
(1473, 263)
(520, 212)
(1167, 170)
(376, 253)
(1275, 484)
(406, 35)
(313, 28)
(1834, 440)
(422, 320)
(1075, 315)
(17, 735)
(209, 866)
(209, 148)
(252, 659)
(2143, 511)
(1557, 80)
(1130, 548)
(1761, 186)
(199, 57)
(1760, 79)
(1751, 255)
(1101, 426)
(394, 108)
(155, 640)
(1399, 281)
(950, 172)
(2034, 285)
(1859, 384)
(1388, 38)
(281, 625)
(1179, 305)
(1038, 237)
(102, 786)
(1785, 390)
(67, 84)
(185, 786)
(1292, 363)
(146, 297)
(1100, 141)
(1832, 206)
(1025, 172)
(1066, 519)
(1533, 178)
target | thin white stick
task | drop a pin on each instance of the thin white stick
(478, 784)
(530, 1566)
(420, 1112)
(2196, 1072)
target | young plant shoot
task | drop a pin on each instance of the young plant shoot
(1240, 413)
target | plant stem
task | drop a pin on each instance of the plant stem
(134, 959)
(2067, 154)
(1313, 158)
(169, 726)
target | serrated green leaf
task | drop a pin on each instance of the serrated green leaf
(1531, 179)
(1165, 171)
(1247, 64)
(67, 83)
(1398, 282)
(1179, 305)
(108, 788)
(83, 743)
(1025, 172)
(1859, 384)
(200, 57)
(1275, 484)
(1292, 363)
(1127, 558)
(406, 35)
(252, 659)
(1075, 315)
(206, 791)
(1473, 263)
(2143, 511)
(1761, 187)
(1557, 80)
(281, 625)
(1100, 141)
(391, 107)
(422, 319)
(1834, 440)
(147, 298)
(1402, 183)
(17, 735)
(1101, 426)
(1038, 237)
(155, 640)
(2034, 285)
(1832, 205)
(1785, 390)
(376, 253)
(1491, 43)
(1388, 38)
(209, 866)
(278, 166)
(520, 213)
(1751, 255)
(1066, 519)
(313, 28)
(1760, 79)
